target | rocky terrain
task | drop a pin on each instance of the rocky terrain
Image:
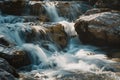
(29, 27)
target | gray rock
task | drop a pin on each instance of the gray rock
(4, 75)
(102, 29)
(8, 68)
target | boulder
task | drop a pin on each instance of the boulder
(98, 10)
(4, 42)
(58, 35)
(54, 33)
(37, 9)
(74, 8)
(4, 75)
(113, 54)
(13, 7)
(102, 29)
(16, 58)
(7, 69)
(112, 4)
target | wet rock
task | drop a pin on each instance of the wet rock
(37, 9)
(13, 7)
(4, 75)
(114, 67)
(102, 29)
(7, 69)
(74, 8)
(89, 76)
(3, 41)
(16, 58)
(30, 18)
(58, 35)
(54, 33)
(112, 4)
(97, 10)
(34, 34)
(113, 54)
(44, 18)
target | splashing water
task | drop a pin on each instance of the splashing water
(53, 63)
(75, 57)
(69, 28)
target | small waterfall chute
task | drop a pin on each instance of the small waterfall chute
(69, 28)
(37, 55)
(52, 11)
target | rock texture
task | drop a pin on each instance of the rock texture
(15, 7)
(54, 33)
(89, 76)
(101, 29)
(74, 8)
(17, 58)
(7, 70)
(4, 75)
(37, 9)
(58, 35)
(111, 4)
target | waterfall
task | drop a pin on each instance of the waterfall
(52, 11)
(47, 58)
(69, 28)
(36, 53)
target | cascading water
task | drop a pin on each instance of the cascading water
(52, 12)
(49, 64)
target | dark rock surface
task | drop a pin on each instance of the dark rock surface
(4, 75)
(17, 58)
(111, 4)
(13, 7)
(99, 29)
(7, 69)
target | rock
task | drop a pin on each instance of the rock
(74, 8)
(4, 65)
(4, 75)
(16, 58)
(58, 35)
(114, 67)
(112, 4)
(13, 7)
(97, 10)
(54, 33)
(37, 9)
(102, 29)
(3, 41)
(89, 76)
(113, 54)
(44, 18)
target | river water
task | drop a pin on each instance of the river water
(55, 63)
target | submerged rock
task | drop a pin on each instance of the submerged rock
(8, 70)
(102, 29)
(90, 76)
